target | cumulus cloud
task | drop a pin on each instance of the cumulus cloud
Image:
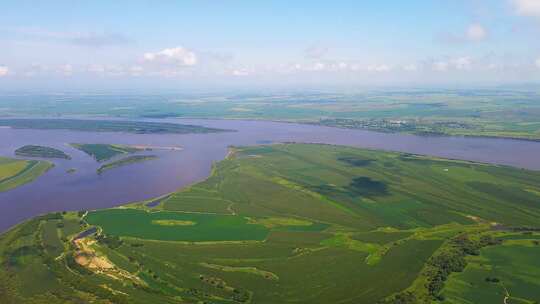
(460, 63)
(66, 69)
(107, 70)
(476, 32)
(473, 33)
(4, 70)
(410, 68)
(527, 7)
(379, 68)
(240, 72)
(178, 56)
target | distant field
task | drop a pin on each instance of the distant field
(498, 112)
(14, 173)
(102, 152)
(40, 151)
(138, 127)
(295, 223)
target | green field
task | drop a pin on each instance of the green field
(40, 151)
(154, 225)
(295, 223)
(125, 161)
(103, 152)
(14, 172)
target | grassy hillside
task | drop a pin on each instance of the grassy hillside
(293, 223)
(14, 172)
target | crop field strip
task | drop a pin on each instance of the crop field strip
(259, 228)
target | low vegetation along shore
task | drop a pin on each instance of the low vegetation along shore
(272, 224)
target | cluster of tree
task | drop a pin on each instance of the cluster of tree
(52, 216)
(112, 242)
(240, 295)
(530, 229)
(405, 297)
(492, 280)
(453, 260)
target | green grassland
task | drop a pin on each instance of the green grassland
(124, 162)
(14, 172)
(295, 223)
(40, 151)
(500, 112)
(103, 152)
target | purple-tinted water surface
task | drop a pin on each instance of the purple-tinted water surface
(58, 190)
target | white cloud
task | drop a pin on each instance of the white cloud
(66, 70)
(178, 55)
(379, 68)
(440, 66)
(240, 72)
(411, 68)
(319, 66)
(527, 7)
(476, 32)
(537, 63)
(106, 70)
(4, 70)
(462, 63)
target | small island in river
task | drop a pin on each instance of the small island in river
(103, 152)
(124, 162)
(41, 151)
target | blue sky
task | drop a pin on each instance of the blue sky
(268, 43)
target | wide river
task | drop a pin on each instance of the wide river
(58, 190)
